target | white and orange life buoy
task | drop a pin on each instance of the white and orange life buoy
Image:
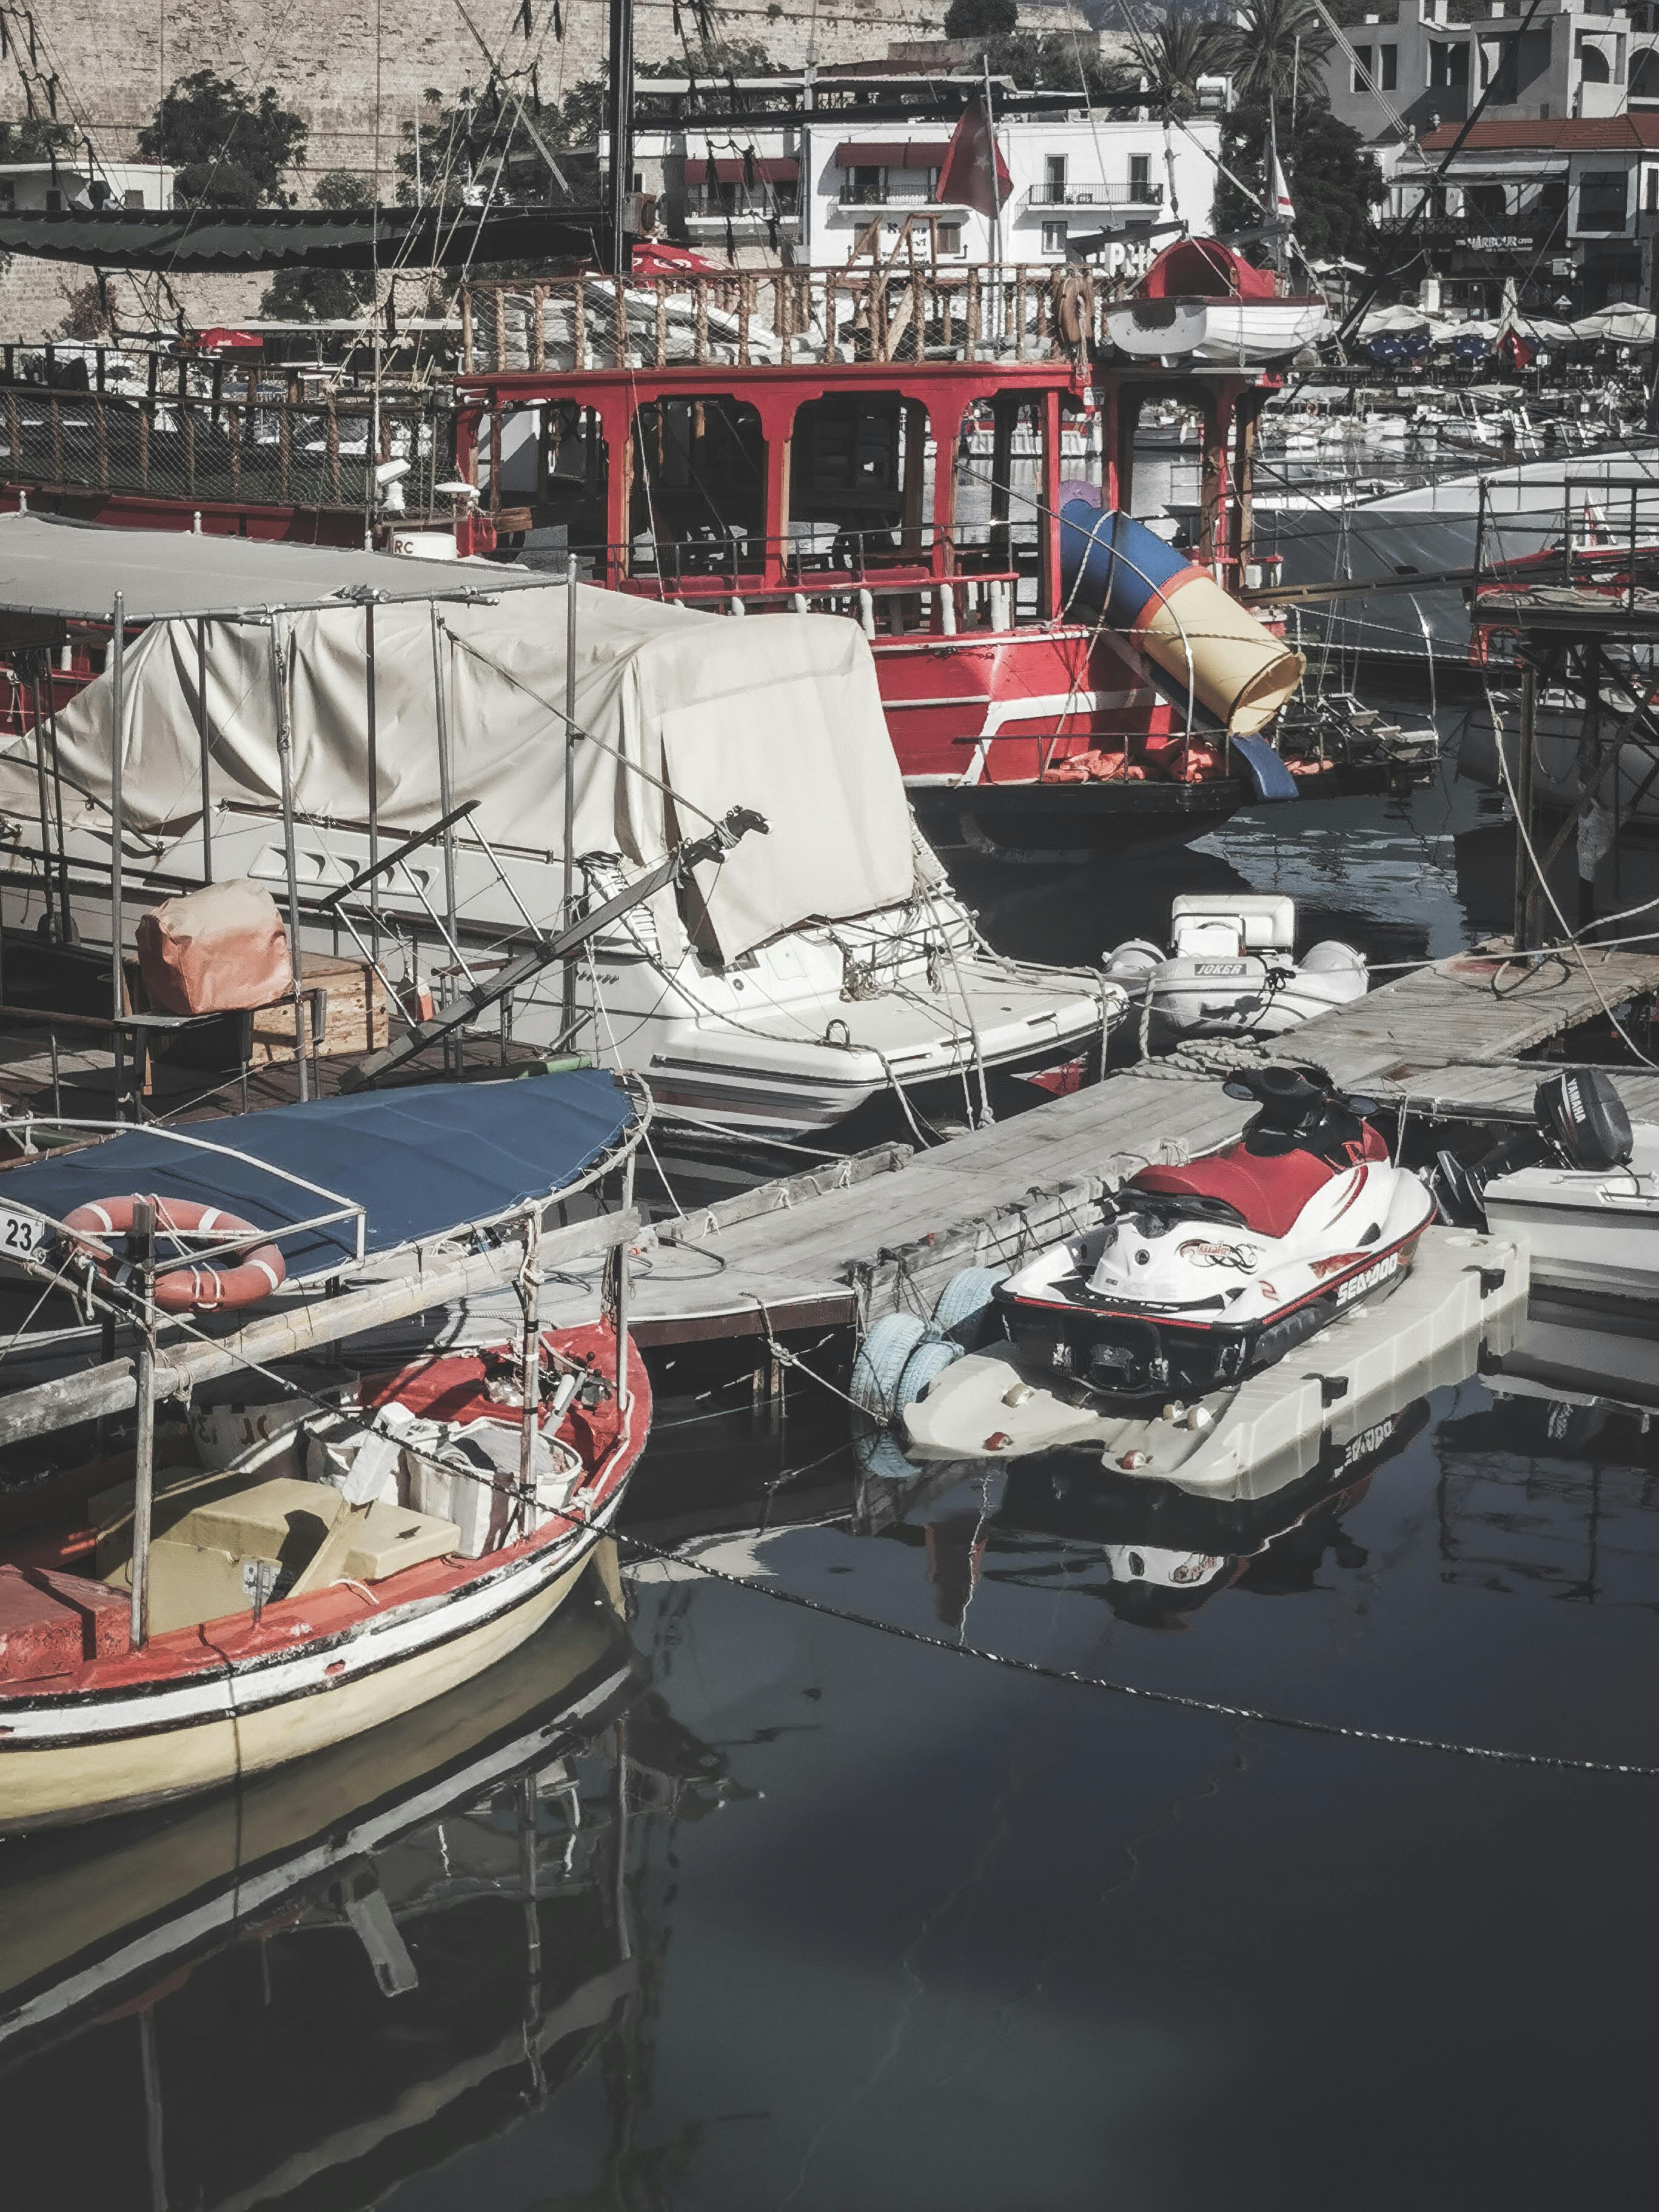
(202, 1286)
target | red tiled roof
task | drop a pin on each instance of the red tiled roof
(1585, 133)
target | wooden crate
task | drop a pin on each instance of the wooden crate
(355, 1020)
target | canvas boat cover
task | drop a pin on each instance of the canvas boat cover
(780, 712)
(49, 565)
(422, 1162)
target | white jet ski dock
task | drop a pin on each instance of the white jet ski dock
(1465, 1296)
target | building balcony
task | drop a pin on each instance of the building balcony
(713, 221)
(891, 203)
(1095, 196)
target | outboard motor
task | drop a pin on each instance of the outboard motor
(1583, 1119)
(1580, 1121)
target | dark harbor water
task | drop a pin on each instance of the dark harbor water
(736, 1904)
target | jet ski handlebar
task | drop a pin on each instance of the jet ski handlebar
(1290, 1098)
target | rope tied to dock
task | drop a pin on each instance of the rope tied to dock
(1203, 1060)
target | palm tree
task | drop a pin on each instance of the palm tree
(1182, 50)
(1267, 44)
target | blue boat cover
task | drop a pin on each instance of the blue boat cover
(419, 1161)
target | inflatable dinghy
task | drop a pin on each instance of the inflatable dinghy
(1231, 970)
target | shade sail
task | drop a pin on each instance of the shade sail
(892, 154)
(52, 566)
(777, 712)
(420, 1162)
(765, 168)
(204, 239)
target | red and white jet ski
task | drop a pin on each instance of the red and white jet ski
(1201, 1274)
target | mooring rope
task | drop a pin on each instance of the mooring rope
(1300, 1724)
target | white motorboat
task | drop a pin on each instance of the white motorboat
(1630, 787)
(819, 962)
(1581, 1188)
(1231, 970)
(1200, 300)
(1431, 529)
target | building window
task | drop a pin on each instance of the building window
(865, 188)
(1486, 203)
(1054, 179)
(1593, 65)
(1054, 238)
(8, 193)
(1362, 69)
(1449, 66)
(1653, 192)
(1388, 67)
(1601, 199)
(1140, 176)
(131, 198)
(950, 236)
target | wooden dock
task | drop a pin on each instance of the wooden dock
(856, 1239)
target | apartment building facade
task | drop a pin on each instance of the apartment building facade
(1410, 72)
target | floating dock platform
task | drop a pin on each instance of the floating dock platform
(859, 1237)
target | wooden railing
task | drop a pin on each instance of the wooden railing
(784, 317)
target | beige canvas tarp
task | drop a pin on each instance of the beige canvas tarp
(780, 712)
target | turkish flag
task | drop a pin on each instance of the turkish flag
(974, 175)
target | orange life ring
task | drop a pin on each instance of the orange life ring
(201, 1287)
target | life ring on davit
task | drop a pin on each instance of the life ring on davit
(202, 1286)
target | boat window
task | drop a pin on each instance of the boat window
(858, 495)
(550, 475)
(698, 504)
(1001, 475)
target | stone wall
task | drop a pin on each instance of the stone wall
(342, 65)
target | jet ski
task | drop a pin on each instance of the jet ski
(1202, 1274)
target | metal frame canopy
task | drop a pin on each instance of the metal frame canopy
(57, 569)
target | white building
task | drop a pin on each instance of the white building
(824, 189)
(1107, 190)
(57, 187)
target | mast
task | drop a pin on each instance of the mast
(619, 127)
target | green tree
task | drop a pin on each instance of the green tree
(1272, 45)
(323, 295)
(1334, 180)
(981, 19)
(34, 138)
(1056, 62)
(1184, 49)
(228, 147)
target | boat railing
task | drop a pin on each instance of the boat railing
(194, 447)
(866, 311)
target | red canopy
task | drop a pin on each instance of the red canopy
(220, 340)
(1204, 269)
(654, 258)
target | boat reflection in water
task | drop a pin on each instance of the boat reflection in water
(310, 1987)
(1160, 1553)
